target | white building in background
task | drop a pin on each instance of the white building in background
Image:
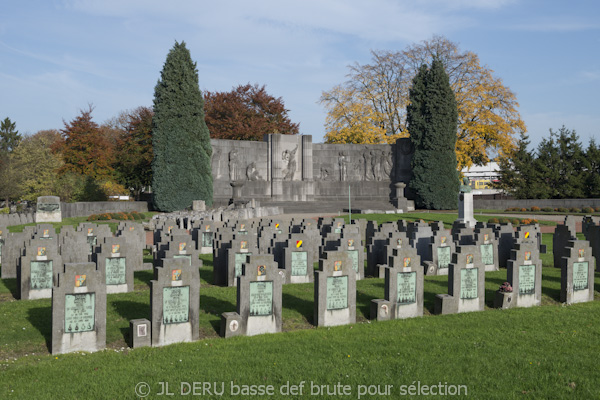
(482, 176)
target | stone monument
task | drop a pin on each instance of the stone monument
(48, 209)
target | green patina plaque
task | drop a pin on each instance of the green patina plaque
(468, 283)
(407, 287)
(80, 311)
(92, 242)
(207, 239)
(185, 256)
(443, 254)
(115, 270)
(242, 232)
(337, 292)
(337, 230)
(353, 254)
(487, 254)
(299, 263)
(580, 275)
(240, 258)
(527, 279)
(176, 304)
(41, 275)
(261, 298)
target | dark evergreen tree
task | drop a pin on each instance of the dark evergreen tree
(592, 179)
(9, 136)
(181, 169)
(432, 122)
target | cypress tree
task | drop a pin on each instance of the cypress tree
(432, 119)
(181, 142)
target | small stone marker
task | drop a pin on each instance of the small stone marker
(78, 310)
(48, 209)
(403, 287)
(577, 274)
(139, 333)
(38, 269)
(335, 290)
(466, 283)
(259, 299)
(175, 302)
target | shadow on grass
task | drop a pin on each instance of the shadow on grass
(130, 310)
(41, 319)
(363, 303)
(551, 292)
(302, 306)
(144, 276)
(11, 285)
(490, 293)
(215, 306)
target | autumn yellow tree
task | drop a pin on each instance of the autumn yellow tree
(488, 117)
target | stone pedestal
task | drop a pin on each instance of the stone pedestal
(465, 209)
(198, 205)
(400, 202)
(48, 209)
(236, 196)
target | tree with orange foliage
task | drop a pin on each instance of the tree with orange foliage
(246, 113)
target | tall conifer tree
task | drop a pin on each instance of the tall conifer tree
(181, 142)
(432, 119)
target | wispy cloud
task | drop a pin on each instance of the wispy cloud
(558, 24)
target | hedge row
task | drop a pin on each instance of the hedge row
(514, 221)
(587, 210)
(119, 216)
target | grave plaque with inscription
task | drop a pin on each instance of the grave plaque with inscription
(92, 242)
(80, 312)
(240, 258)
(337, 292)
(468, 283)
(526, 279)
(41, 274)
(487, 254)
(444, 254)
(115, 270)
(207, 239)
(353, 254)
(261, 298)
(187, 257)
(580, 276)
(407, 287)
(176, 304)
(299, 263)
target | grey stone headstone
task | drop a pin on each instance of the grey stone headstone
(441, 249)
(258, 299)
(352, 244)
(335, 290)
(115, 262)
(235, 257)
(74, 246)
(403, 287)
(48, 209)
(175, 302)
(38, 269)
(3, 234)
(577, 273)
(466, 283)
(297, 259)
(485, 239)
(12, 250)
(78, 310)
(524, 273)
(95, 234)
(181, 246)
(505, 234)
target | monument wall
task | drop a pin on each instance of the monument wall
(292, 168)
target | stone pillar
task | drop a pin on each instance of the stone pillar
(465, 208)
(307, 159)
(276, 165)
(400, 201)
(236, 196)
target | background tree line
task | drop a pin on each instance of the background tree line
(559, 168)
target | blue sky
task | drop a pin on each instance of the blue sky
(57, 56)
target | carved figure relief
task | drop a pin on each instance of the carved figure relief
(376, 165)
(368, 169)
(343, 163)
(233, 165)
(251, 172)
(289, 159)
(388, 164)
(216, 163)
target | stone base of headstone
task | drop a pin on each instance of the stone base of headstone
(231, 325)
(503, 300)
(380, 310)
(445, 304)
(139, 333)
(198, 205)
(430, 268)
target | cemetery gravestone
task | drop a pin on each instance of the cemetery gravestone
(175, 302)
(335, 290)
(577, 274)
(298, 254)
(563, 234)
(403, 287)
(78, 310)
(258, 299)
(441, 249)
(466, 283)
(12, 250)
(38, 270)
(488, 247)
(524, 274)
(236, 256)
(48, 209)
(115, 261)
(351, 244)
